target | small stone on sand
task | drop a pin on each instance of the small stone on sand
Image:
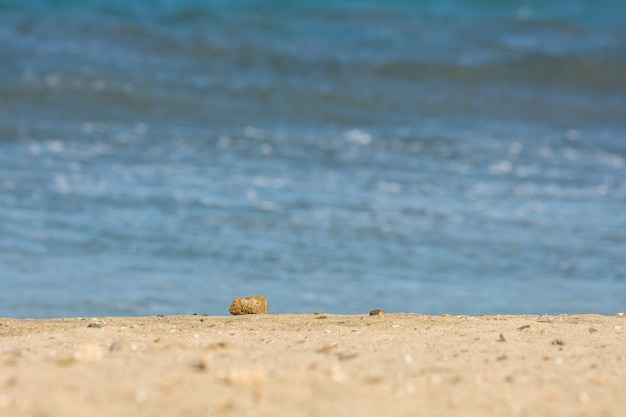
(378, 313)
(249, 305)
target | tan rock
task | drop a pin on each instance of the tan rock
(249, 305)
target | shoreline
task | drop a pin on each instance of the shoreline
(314, 365)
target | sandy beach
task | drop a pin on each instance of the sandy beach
(314, 365)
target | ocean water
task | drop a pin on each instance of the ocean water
(163, 157)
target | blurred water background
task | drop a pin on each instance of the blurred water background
(163, 157)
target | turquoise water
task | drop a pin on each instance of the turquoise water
(164, 157)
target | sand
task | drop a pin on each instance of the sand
(314, 365)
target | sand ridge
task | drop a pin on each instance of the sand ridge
(314, 365)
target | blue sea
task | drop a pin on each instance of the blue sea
(164, 157)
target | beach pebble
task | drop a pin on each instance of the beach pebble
(378, 313)
(249, 305)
